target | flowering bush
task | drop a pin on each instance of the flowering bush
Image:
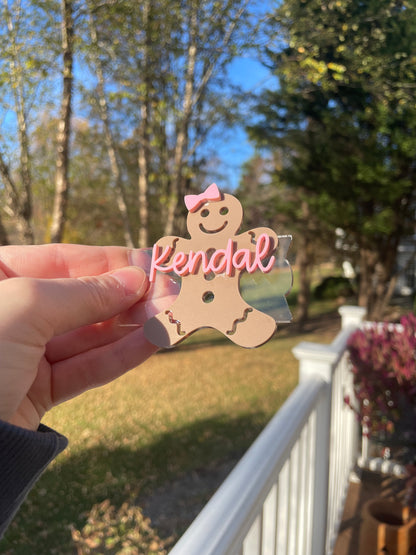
(384, 368)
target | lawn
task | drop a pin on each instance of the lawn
(196, 406)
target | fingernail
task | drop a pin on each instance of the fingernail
(132, 279)
(141, 258)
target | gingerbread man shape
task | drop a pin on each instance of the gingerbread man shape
(210, 264)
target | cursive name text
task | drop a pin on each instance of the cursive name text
(221, 261)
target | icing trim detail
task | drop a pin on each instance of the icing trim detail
(239, 321)
(172, 320)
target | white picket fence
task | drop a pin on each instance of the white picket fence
(287, 494)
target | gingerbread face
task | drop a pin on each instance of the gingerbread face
(216, 217)
(210, 265)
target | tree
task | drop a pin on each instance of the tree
(64, 125)
(255, 193)
(344, 116)
(160, 71)
(27, 67)
(151, 75)
(269, 201)
(18, 193)
(92, 216)
(103, 106)
(212, 34)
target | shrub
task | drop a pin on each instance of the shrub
(384, 371)
(118, 532)
(333, 287)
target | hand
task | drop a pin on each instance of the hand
(71, 319)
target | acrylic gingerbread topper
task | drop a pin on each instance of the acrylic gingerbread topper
(212, 266)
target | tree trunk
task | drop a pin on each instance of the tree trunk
(64, 127)
(109, 139)
(366, 265)
(23, 205)
(183, 125)
(4, 238)
(143, 178)
(26, 176)
(12, 206)
(303, 261)
(192, 96)
(143, 135)
(303, 298)
(377, 282)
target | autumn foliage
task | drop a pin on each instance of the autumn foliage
(384, 372)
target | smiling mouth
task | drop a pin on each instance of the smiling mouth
(202, 228)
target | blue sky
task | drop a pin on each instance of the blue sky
(247, 72)
(234, 148)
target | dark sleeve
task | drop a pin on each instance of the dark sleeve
(24, 455)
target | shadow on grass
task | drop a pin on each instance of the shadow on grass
(209, 336)
(326, 321)
(165, 475)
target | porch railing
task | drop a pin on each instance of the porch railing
(287, 494)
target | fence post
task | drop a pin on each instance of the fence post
(317, 360)
(351, 316)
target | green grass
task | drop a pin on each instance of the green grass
(192, 407)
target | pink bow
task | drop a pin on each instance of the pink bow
(193, 202)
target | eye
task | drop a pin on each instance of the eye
(224, 211)
(204, 213)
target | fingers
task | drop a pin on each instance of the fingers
(93, 299)
(82, 339)
(105, 333)
(81, 362)
(64, 260)
(99, 366)
(88, 358)
(84, 321)
(159, 296)
(38, 309)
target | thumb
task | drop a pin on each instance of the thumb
(61, 305)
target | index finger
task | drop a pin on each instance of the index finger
(67, 260)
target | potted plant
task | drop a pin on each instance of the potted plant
(383, 364)
(387, 526)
